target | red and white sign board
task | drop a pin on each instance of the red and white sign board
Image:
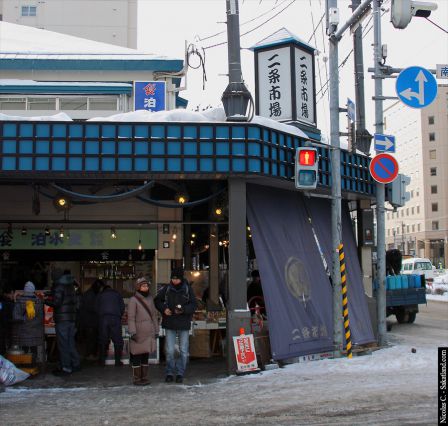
(246, 358)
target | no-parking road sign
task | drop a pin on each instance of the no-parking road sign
(384, 168)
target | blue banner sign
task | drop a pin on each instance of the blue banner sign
(149, 95)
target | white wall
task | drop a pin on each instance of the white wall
(108, 21)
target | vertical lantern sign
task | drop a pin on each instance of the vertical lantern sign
(305, 93)
(284, 79)
(274, 67)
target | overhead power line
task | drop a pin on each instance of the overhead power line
(253, 29)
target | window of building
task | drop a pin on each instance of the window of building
(418, 209)
(388, 232)
(407, 229)
(434, 207)
(435, 225)
(29, 10)
(407, 211)
(412, 210)
(41, 103)
(432, 137)
(103, 104)
(412, 194)
(402, 213)
(433, 189)
(433, 171)
(431, 119)
(12, 103)
(418, 227)
(73, 103)
(432, 154)
(413, 228)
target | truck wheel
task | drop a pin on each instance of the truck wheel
(411, 318)
(402, 317)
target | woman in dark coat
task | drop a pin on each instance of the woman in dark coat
(28, 320)
(143, 327)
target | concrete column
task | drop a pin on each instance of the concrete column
(238, 316)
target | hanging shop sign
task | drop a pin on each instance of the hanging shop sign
(78, 239)
(150, 95)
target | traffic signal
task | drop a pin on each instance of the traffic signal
(396, 191)
(306, 168)
(402, 11)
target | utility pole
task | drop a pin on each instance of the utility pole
(236, 96)
(336, 223)
(363, 137)
(380, 190)
(335, 36)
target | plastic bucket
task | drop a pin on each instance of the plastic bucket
(398, 282)
(405, 281)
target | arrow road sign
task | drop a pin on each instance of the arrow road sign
(384, 143)
(416, 87)
(351, 110)
(384, 168)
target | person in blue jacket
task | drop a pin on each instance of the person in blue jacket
(177, 303)
(110, 308)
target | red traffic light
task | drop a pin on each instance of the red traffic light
(307, 157)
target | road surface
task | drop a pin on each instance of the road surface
(392, 386)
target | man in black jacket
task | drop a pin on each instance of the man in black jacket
(64, 303)
(110, 308)
(177, 303)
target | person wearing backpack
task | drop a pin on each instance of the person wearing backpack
(28, 320)
(177, 303)
(143, 327)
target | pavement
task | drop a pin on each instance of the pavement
(199, 371)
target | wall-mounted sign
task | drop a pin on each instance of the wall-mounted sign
(150, 95)
(78, 239)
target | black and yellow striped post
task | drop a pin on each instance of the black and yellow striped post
(345, 301)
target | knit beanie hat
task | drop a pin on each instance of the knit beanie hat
(140, 281)
(29, 287)
(177, 273)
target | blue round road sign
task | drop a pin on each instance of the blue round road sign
(384, 168)
(416, 87)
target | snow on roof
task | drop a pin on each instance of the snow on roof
(14, 82)
(176, 115)
(62, 116)
(24, 42)
(281, 35)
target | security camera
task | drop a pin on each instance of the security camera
(402, 11)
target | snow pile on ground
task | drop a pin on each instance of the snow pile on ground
(438, 290)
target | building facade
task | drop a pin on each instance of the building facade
(112, 21)
(420, 227)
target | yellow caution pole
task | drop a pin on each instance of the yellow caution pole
(345, 301)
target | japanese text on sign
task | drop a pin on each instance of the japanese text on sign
(149, 95)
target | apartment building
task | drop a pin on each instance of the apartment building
(107, 21)
(420, 228)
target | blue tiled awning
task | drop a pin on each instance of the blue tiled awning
(68, 149)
